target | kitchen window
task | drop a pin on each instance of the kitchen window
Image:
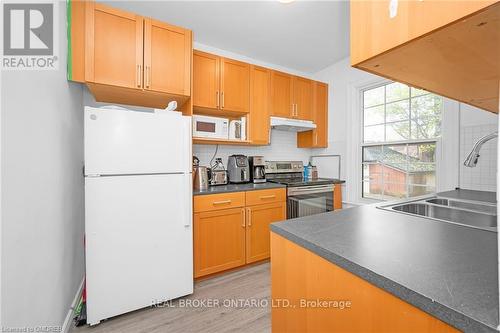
(401, 126)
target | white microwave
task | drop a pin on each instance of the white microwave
(210, 127)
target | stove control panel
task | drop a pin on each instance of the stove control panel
(284, 166)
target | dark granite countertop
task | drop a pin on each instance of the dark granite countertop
(336, 180)
(447, 270)
(237, 188)
(470, 195)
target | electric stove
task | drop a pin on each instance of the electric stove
(305, 196)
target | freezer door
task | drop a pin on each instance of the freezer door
(138, 242)
(122, 141)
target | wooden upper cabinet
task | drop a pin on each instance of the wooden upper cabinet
(260, 102)
(321, 114)
(167, 58)
(221, 85)
(129, 59)
(303, 98)
(234, 85)
(258, 232)
(205, 80)
(282, 94)
(449, 48)
(291, 96)
(374, 31)
(114, 46)
(317, 138)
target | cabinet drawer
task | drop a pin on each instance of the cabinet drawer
(206, 203)
(265, 196)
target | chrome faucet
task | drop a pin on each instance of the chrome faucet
(471, 160)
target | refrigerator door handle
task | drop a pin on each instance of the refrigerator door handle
(188, 143)
(188, 209)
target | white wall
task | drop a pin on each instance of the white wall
(344, 132)
(283, 147)
(340, 78)
(475, 123)
(1, 187)
(42, 194)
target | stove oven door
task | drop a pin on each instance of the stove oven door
(309, 200)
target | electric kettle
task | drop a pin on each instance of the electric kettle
(201, 178)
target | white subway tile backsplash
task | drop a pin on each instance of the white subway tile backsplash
(483, 176)
(283, 147)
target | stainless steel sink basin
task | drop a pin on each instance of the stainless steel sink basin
(472, 214)
(465, 217)
(482, 208)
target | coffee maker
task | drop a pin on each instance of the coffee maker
(257, 169)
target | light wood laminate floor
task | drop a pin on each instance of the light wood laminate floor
(242, 287)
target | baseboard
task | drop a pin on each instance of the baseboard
(69, 317)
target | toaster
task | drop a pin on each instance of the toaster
(218, 177)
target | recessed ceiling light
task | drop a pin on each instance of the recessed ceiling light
(286, 1)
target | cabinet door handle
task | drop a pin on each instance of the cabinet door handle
(268, 196)
(222, 202)
(148, 76)
(222, 95)
(296, 110)
(138, 76)
(244, 217)
(217, 99)
(316, 138)
(249, 217)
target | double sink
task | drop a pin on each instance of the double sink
(474, 214)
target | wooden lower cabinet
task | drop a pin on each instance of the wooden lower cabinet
(337, 197)
(219, 240)
(228, 237)
(259, 219)
(205, 203)
(298, 274)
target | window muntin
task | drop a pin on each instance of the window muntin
(400, 128)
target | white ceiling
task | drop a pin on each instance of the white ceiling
(304, 35)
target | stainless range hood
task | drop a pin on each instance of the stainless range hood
(292, 125)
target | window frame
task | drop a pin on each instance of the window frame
(362, 144)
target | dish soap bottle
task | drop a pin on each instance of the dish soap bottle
(309, 170)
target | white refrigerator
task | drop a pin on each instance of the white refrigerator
(138, 210)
